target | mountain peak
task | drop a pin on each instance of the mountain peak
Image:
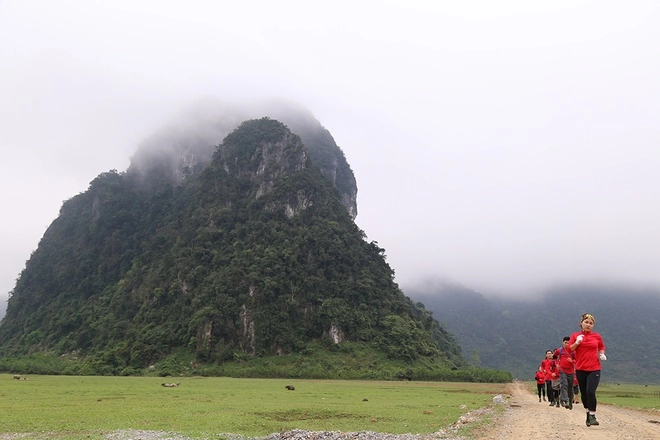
(186, 145)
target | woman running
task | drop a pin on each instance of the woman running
(589, 352)
(540, 383)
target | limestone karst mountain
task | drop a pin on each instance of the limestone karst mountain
(248, 250)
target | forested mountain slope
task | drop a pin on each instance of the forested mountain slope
(253, 253)
(513, 334)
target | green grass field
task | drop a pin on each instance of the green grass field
(88, 407)
(626, 395)
(76, 407)
(630, 395)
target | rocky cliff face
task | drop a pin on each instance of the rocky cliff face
(185, 147)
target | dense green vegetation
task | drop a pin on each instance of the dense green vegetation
(317, 361)
(513, 334)
(254, 257)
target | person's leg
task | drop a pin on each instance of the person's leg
(582, 385)
(539, 387)
(569, 379)
(593, 379)
(548, 391)
(563, 378)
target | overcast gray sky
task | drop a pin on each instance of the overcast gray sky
(503, 145)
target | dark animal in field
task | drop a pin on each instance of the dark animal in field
(170, 385)
(290, 387)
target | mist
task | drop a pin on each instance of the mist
(504, 146)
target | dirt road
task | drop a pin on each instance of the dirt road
(527, 419)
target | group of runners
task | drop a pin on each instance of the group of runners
(571, 373)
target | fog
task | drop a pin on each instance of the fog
(501, 145)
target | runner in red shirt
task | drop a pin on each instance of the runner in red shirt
(551, 373)
(540, 383)
(589, 352)
(566, 360)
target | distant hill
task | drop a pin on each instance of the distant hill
(513, 335)
(249, 252)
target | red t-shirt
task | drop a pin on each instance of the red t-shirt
(566, 360)
(586, 354)
(548, 367)
(540, 378)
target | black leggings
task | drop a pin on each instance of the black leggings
(541, 389)
(588, 382)
(552, 394)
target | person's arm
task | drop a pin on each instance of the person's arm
(577, 342)
(601, 350)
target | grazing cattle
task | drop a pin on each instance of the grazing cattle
(17, 376)
(290, 387)
(170, 385)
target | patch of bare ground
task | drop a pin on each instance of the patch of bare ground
(525, 418)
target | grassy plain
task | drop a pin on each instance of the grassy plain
(634, 396)
(77, 407)
(629, 395)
